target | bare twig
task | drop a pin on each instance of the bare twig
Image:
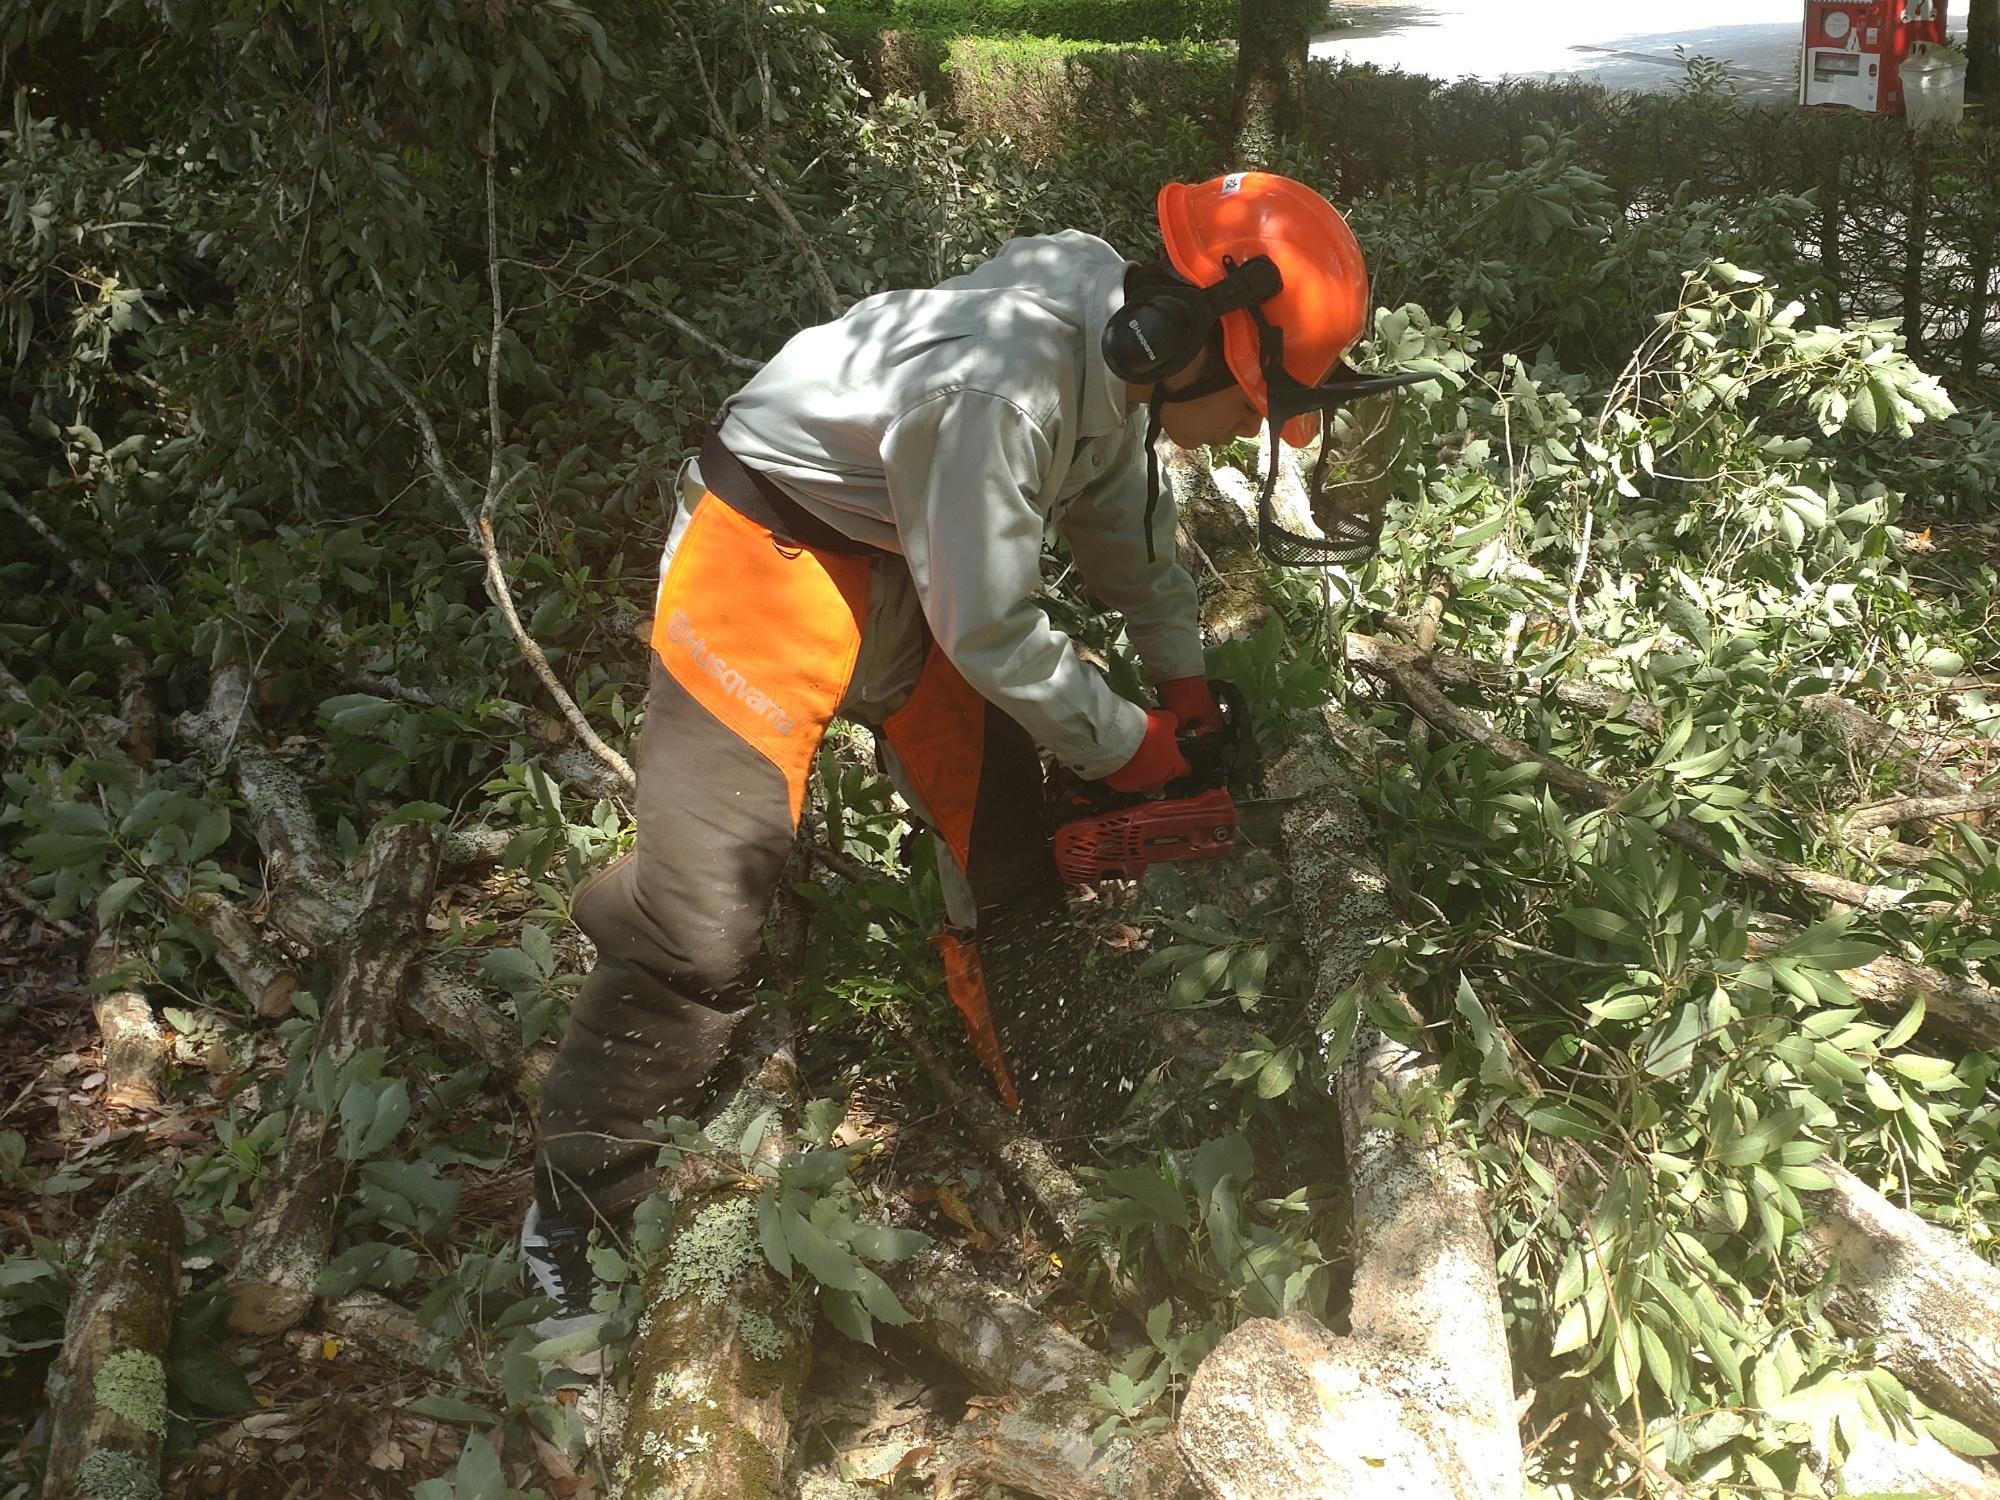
(481, 530)
(61, 548)
(29, 904)
(766, 189)
(666, 315)
(1911, 809)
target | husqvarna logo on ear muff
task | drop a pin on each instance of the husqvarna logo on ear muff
(1139, 333)
(681, 632)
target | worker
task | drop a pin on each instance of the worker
(862, 536)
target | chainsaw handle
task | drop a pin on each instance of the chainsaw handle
(1212, 754)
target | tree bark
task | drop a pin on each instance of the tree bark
(308, 899)
(263, 973)
(1982, 48)
(1967, 1009)
(1930, 1305)
(1273, 38)
(1036, 1437)
(1871, 741)
(712, 1398)
(1419, 1398)
(108, 1387)
(1906, 1465)
(135, 1049)
(285, 1245)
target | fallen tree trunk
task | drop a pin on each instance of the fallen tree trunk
(1965, 1008)
(108, 1388)
(1931, 1306)
(1036, 1436)
(1419, 1399)
(717, 1361)
(1921, 809)
(1028, 1163)
(135, 1048)
(285, 1245)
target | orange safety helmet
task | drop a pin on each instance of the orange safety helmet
(1322, 304)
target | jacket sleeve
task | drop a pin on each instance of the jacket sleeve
(963, 469)
(1105, 528)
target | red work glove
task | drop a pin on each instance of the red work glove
(1157, 761)
(1189, 700)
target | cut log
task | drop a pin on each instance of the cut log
(108, 1388)
(1965, 1008)
(1036, 1436)
(135, 1048)
(1931, 1306)
(1419, 1398)
(717, 1362)
(261, 971)
(285, 1245)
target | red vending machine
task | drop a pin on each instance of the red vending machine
(1852, 49)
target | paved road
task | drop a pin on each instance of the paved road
(1621, 45)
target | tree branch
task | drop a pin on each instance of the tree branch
(766, 189)
(479, 525)
(668, 316)
(1404, 669)
(1911, 809)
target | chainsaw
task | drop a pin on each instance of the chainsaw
(1101, 834)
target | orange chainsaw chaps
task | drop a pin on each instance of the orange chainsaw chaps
(966, 982)
(762, 634)
(940, 736)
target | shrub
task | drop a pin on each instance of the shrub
(1076, 20)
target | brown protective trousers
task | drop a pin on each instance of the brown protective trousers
(754, 642)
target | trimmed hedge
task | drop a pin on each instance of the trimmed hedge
(1045, 95)
(1070, 20)
(1108, 120)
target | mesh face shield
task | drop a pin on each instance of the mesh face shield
(1353, 536)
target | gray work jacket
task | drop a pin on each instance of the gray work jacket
(951, 426)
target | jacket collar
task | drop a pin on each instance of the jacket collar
(1105, 407)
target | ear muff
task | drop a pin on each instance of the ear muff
(1158, 334)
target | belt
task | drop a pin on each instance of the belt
(759, 496)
